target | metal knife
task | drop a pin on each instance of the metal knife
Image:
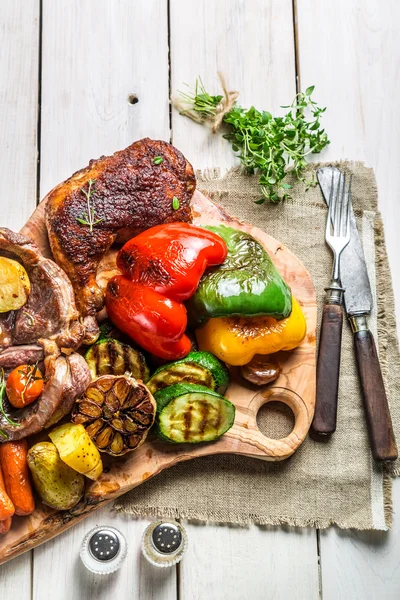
(358, 305)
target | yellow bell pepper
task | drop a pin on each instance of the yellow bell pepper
(235, 340)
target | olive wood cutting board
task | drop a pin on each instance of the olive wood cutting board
(294, 387)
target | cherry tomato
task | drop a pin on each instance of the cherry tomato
(24, 385)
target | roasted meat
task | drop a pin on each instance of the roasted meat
(50, 312)
(35, 333)
(66, 378)
(114, 198)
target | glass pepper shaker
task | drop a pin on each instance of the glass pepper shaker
(164, 543)
(103, 550)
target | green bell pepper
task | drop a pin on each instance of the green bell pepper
(247, 283)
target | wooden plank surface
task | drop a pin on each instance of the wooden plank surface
(96, 55)
(249, 563)
(357, 76)
(252, 43)
(19, 53)
(136, 578)
(99, 53)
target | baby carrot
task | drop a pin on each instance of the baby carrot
(16, 476)
(6, 506)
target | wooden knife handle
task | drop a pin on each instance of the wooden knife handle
(328, 366)
(380, 429)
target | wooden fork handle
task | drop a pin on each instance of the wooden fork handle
(328, 367)
(379, 422)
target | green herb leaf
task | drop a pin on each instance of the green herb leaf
(265, 144)
(175, 203)
(157, 160)
(2, 392)
(260, 201)
(89, 217)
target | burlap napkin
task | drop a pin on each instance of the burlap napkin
(321, 484)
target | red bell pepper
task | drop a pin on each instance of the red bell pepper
(171, 258)
(154, 321)
(161, 267)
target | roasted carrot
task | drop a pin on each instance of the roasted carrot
(6, 523)
(6, 506)
(16, 476)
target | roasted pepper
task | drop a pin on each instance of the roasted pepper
(161, 267)
(171, 258)
(247, 283)
(154, 321)
(235, 340)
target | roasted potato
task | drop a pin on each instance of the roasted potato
(14, 285)
(77, 449)
(57, 484)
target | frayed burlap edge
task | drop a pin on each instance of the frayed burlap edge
(210, 517)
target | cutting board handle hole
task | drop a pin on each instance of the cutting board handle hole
(284, 427)
(275, 420)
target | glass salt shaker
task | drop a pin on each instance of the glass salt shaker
(103, 550)
(164, 543)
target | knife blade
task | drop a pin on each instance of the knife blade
(358, 306)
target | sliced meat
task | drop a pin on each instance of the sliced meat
(50, 312)
(20, 355)
(66, 379)
(79, 379)
(129, 193)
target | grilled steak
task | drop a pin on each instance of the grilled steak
(50, 312)
(122, 195)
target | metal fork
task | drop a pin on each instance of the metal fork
(337, 236)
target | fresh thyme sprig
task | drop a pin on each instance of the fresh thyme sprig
(266, 145)
(2, 411)
(89, 218)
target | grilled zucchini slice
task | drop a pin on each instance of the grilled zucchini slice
(111, 357)
(191, 414)
(202, 368)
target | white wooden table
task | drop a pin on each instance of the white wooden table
(67, 68)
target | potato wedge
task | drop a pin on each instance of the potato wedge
(14, 285)
(77, 449)
(57, 484)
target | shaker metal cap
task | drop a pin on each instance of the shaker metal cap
(103, 550)
(166, 537)
(164, 543)
(104, 544)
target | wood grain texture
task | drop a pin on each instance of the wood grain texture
(235, 563)
(95, 55)
(19, 53)
(356, 75)
(328, 368)
(136, 578)
(295, 387)
(379, 421)
(251, 42)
